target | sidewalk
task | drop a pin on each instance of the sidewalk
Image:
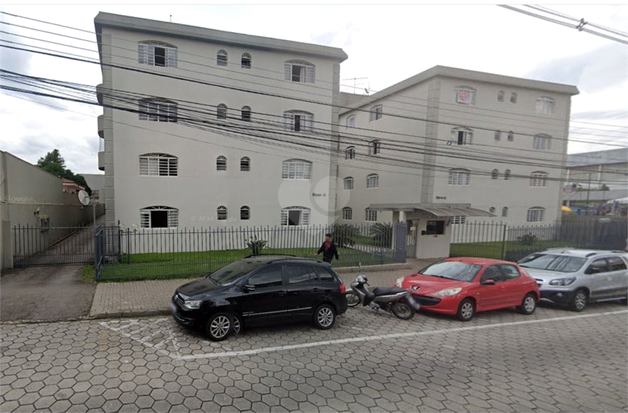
(145, 298)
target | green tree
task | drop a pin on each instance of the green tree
(54, 163)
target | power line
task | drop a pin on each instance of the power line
(564, 16)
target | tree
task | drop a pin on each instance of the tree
(54, 163)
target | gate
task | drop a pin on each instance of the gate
(37, 246)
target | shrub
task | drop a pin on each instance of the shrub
(382, 234)
(255, 245)
(344, 235)
(527, 239)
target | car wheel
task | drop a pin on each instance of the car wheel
(528, 305)
(466, 310)
(579, 301)
(353, 298)
(219, 326)
(324, 317)
(238, 328)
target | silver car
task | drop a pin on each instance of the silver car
(575, 278)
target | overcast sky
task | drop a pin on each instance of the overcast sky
(385, 44)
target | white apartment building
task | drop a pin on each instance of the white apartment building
(206, 128)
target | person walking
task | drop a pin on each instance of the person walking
(328, 249)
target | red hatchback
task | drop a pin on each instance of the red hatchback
(464, 286)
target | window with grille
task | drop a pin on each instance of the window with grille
(511, 136)
(222, 58)
(157, 54)
(347, 213)
(246, 113)
(375, 147)
(158, 164)
(221, 111)
(506, 174)
(348, 183)
(159, 217)
(370, 214)
(157, 110)
(245, 213)
(542, 142)
(459, 177)
(295, 215)
(222, 213)
(462, 136)
(536, 214)
(545, 105)
(350, 152)
(500, 96)
(246, 61)
(498, 135)
(376, 112)
(221, 163)
(296, 169)
(464, 95)
(299, 71)
(372, 181)
(513, 97)
(298, 121)
(245, 164)
(460, 219)
(351, 122)
(538, 179)
(495, 174)
(504, 212)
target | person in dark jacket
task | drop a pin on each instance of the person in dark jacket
(328, 249)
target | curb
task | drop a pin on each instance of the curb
(129, 314)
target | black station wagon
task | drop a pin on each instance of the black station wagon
(261, 290)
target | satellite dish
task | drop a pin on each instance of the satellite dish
(570, 189)
(83, 197)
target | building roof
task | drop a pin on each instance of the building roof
(215, 36)
(611, 156)
(467, 75)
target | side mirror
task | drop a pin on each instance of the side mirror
(488, 282)
(249, 288)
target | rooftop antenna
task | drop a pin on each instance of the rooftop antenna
(355, 83)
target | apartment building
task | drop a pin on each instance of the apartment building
(206, 128)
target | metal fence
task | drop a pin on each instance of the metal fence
(134, 254)
(502, 241)
(37, 245)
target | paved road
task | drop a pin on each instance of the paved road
(554, 360)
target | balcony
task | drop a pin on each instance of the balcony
(99, 93)
(101, 126)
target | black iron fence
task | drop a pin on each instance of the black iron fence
(37, 245)
(153, 253)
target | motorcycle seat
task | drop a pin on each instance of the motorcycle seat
(388, 290)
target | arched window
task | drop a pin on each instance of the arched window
(347, 213)
(461, 136)
(221, 111)
(538, 178)
(298, 121)
(370, 214)
(350, 152)
(246, 113)
(245, 164)
(376, 112)
(545, 105)
(464, 95)
(158, 164)
(495, 174)
(155, 53)
(246, 61)
(295, 215)
(375, 147)
(498, 135)
(506, 174)
(513, 97)
(459, 177)
(348, 183)
(299, 71)
(159, 217)
(157, 110)
(351, 122)
(221, 163)
(491, 210)
(542, 142)
(372, 181)
(222, 213)
(536, 214)
(504, 212)
(245, 213)
(500, 96)
(296, 169)
(511, 136)
(222, 58)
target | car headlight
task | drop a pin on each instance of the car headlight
(399, 281)
(447, 292)
(563, 281)
(192, 304)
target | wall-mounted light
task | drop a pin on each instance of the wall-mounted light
(36, 211)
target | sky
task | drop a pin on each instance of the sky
(385, 44)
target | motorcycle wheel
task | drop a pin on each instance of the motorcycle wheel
(402, 310)
(353, 298)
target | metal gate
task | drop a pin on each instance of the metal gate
(36, 245)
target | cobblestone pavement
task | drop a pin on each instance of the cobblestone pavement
(554, 360)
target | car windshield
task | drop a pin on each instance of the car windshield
(231, 272)
(551, 262)
(452, 270)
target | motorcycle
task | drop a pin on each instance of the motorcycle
(399, 301)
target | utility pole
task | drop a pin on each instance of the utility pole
(588, 193)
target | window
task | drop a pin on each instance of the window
(348, 183)
(542, 142)
(495, 174)
(157, 54)
(598, 267)
(298, 274)
(159, 217)
(299, 71)
(492, 273)
(325, 274)
(491, 210)
(511, 136)
(435, 228)
(538, 179)
(504, 212)
(461, 136)
(221, 111)
(459, 177)
(245, 213)
(350, 152)
(616, 264)
(157, 110)
(221, 163)
(500, 96)
(377, 112)
(370, 214)
(375, 147)
(464, 95)
(460, 219)
(222, 58)
(298, 121)
(513, 97)
(372, 181)
(347, 213)
(266, 277)
(245, 113)
(222, 213)
(245, 164)
(158, 164)
(293, 216)
(506, 174)
(545, 105)
(246, 61)
(498, 135)
(296, 169)
(536, 214)
(351, 122)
